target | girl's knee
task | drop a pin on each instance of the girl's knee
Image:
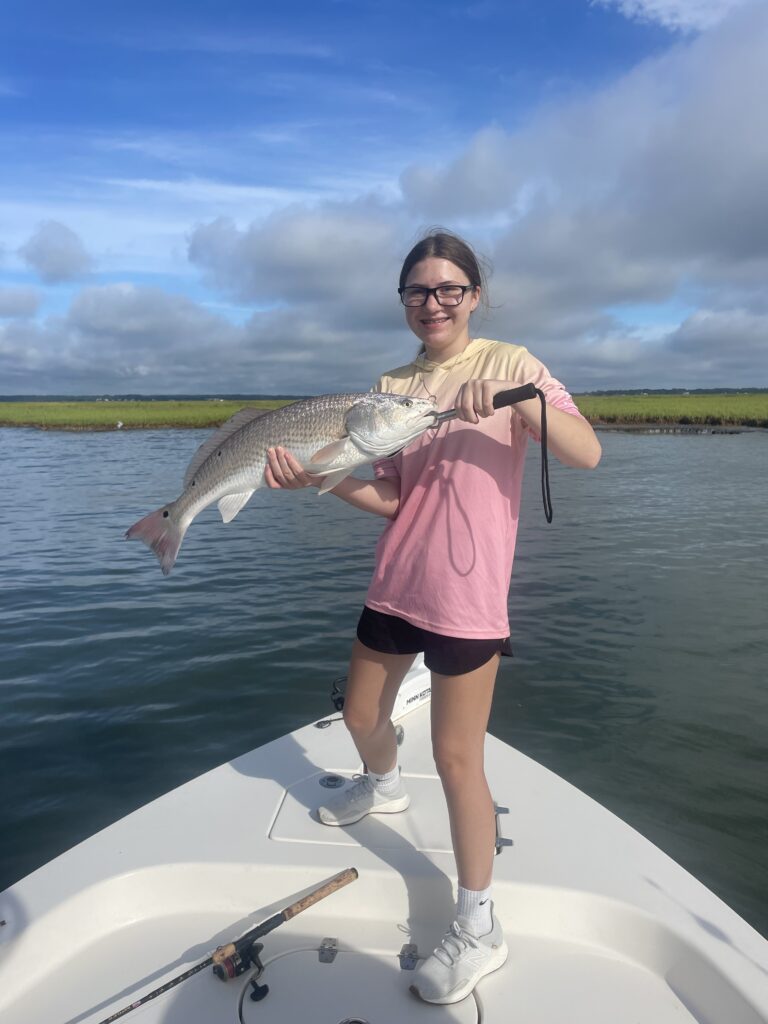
(362, 720)
(457, 764)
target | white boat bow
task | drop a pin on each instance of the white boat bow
(602, 927)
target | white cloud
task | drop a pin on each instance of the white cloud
(123, 338)
(736, 341)
(333, 253)
(696, 15)
(116, 337)
(56, 253)
(19, 302)
(483, 179)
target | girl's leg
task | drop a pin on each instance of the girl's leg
(461, 706)
(474, 946)
(372, 684)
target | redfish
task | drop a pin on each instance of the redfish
(331, 435)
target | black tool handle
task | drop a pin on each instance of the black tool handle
(513, 396)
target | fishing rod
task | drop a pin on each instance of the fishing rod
(236, 957)
(511, 397)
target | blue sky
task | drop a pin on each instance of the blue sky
(216, 197)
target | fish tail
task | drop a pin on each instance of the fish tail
(163, 532)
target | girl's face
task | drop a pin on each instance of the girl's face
(444, 330)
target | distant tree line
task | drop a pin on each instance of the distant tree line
(678, 391)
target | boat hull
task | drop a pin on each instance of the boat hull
(602, 926)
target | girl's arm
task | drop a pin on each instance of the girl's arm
(380, 497)
(570, 438)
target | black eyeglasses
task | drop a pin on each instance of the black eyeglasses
(445, 294)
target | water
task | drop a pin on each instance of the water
(639, 628)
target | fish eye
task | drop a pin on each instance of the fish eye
(408, 403)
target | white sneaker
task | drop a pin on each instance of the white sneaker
(452, 970)
(359, 799)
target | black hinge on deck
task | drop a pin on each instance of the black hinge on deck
(327, 951)
(408, 956)
(501, 841)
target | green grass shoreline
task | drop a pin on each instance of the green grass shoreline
(709, 410)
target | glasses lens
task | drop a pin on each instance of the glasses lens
(413, 296)
(450, 295)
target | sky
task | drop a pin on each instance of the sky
(216, 198)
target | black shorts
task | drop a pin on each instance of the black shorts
(446, 655)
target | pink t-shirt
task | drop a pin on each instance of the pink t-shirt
(445, 562)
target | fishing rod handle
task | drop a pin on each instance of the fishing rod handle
(514, 395)
(332, 885)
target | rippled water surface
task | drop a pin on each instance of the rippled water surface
(638, 616)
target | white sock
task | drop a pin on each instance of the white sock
(386, 783)
(473, 910)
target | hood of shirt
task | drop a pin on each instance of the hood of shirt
(473, 349)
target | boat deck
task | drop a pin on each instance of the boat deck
(602, 927)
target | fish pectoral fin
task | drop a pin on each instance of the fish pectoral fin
(331, 479)
(231, 504)
(329, 453)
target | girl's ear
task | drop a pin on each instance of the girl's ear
(475, 299)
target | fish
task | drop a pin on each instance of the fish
(330, 435)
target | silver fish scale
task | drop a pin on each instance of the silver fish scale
(314, 421)
(302, 427)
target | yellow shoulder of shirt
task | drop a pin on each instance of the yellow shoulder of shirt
(500, 357)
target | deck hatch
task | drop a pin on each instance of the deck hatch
(426, 829)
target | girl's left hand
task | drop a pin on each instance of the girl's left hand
(475, 398)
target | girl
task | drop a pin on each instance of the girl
(441, 581)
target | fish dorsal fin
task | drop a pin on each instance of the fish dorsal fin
(231, 504)
(216, 440)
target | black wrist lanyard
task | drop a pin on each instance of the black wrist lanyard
(546, 496)
(512, 397)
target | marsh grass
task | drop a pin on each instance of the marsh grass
(749, 410)
(131, 415)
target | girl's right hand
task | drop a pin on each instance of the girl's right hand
(283, 471)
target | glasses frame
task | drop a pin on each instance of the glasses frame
(433, 291)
